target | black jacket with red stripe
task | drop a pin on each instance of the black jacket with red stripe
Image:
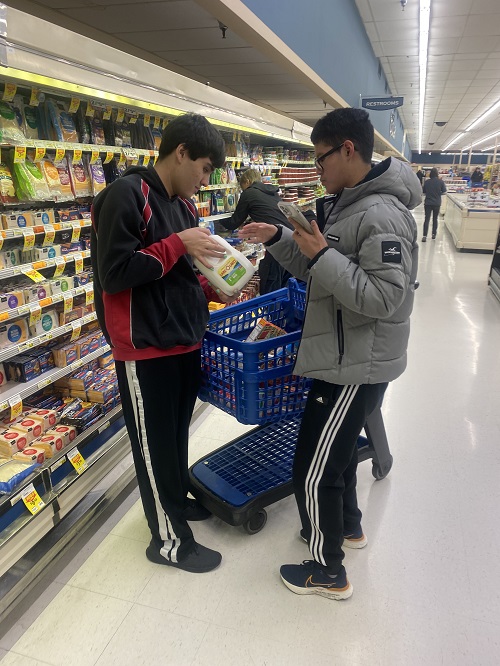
(149, 301)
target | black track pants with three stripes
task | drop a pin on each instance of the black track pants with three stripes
(158, 398)
(325, 464)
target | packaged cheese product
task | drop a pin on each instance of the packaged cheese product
(13, 332)
(10, 132)
(50, 443)
(30, 182)
(46, 417)
(7, 189)
(62, 121)
(48, 321)
(31, 454)
(97, 177)
(12, 441)
(68, 433)
(80, 181)
(30, 428)
(63, 170)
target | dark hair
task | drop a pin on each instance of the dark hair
(343, 124)
(200, 138)
(434, 173)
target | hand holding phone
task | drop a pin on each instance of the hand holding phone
(292, 211)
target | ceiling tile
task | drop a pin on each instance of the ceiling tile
(481, 25)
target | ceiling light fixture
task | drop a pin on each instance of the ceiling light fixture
(485, 138)
(425, 19)
(485, 115)
(454, 141)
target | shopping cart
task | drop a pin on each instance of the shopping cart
(253, 382)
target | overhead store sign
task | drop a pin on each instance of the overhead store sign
(381, 103)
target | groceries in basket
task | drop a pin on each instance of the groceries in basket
(263, 330)
(229, 273)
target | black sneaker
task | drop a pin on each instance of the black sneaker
(310, 578)
(433, 236)
(195, 511)
(199, 560)
(424, 239)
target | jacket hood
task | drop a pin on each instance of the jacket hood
(392, 177)
(272, 190)
(151, 177)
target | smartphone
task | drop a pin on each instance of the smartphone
(292, 211)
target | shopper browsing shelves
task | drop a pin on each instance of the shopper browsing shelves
(259, 201)
(153, 310)
(360, 264)
(433, 188)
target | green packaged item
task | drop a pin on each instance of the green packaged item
(10, 132)
(30, 182)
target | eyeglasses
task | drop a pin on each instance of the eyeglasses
(318, 162)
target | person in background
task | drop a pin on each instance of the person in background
(433, 188)
(360, 264)
(152, 308)
(259, 201)
(420, 175)
(476, 177)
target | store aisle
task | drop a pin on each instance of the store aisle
(425, 588)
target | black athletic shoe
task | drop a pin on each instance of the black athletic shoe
(195, 511)
(354, 540)
(310, 578)
(433, 236)
(199, 560)
(424, 239)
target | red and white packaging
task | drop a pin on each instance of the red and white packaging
(31, 454)
(51, 444)
(46, 417)
(12, 441)
(3, 378)
(68, 433)
(32, 429)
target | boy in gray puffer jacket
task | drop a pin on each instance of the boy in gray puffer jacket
(360, 264)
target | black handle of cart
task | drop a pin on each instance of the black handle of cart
(254, 383)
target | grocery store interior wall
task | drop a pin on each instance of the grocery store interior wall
(330, 37)
(438, 158)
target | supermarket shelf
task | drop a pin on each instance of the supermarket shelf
(18, 234)
(24, 310)
(11, 351)
(311, 183)
(25, 389)
(210, 218)
(84, 147)
(222, 186)
(40, 265)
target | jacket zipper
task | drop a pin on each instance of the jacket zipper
(340, 335)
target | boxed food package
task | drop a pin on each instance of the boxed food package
(12, 441)
(107, 360)
(43, 355)
(60, 285)
(11, 300)
(31, 454)
(66, 432)
(17, 220)
(44, 253)
(22, 368)
(80, 181)
(46, 417)
(13, 332)
(50, 443)
(11, 257)
(263, 330)
(47, 322)
(43, 217)
(37, 292)
(30, 428)
(77, 313)
(65, 354)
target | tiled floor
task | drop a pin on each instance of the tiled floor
(426, 587)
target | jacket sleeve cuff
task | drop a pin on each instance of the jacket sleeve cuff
(276, 237)
(318, 256)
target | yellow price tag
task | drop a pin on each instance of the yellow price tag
(120, 115)
(9, 92)
(76, 329)
(94, 156)
(60, 266)
(157, 122)
(77, 155)
(33, 274)
(68, 303)
(78, 262)
(2, 238)
(29, 239)
(147, 120)
(32, 499)
(34, 101)
(90, 110)
(35, 314)
(77, 460)
(145, 160)
(50, 234)
(109, 156)
(74, 105)
(75, 235)
(165, 123)
(122, 159)
(19, 154)
(133, 120)
(39, 152)
(60, 153)
(16, 406)
(107, 114)
(89, 294)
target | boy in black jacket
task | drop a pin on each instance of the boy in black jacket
(153, 310)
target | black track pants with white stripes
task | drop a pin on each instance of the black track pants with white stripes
(158, 398)
(325, 463)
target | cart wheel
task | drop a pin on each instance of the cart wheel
(256, 522)
(381, 472)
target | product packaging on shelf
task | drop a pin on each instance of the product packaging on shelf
(37, 292)
(3, 377)
(47, 322)
(22, 368)
(31, 454)
(13, 332)
(62, 121)
(7, 188)
(11, 441)
(17, 220)
(10, 132)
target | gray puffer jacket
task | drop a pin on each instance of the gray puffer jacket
(360, 291)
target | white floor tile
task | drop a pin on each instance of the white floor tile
(134, 525)
(74, 629)
(149, 636)
(118, 568)
(13, 659)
